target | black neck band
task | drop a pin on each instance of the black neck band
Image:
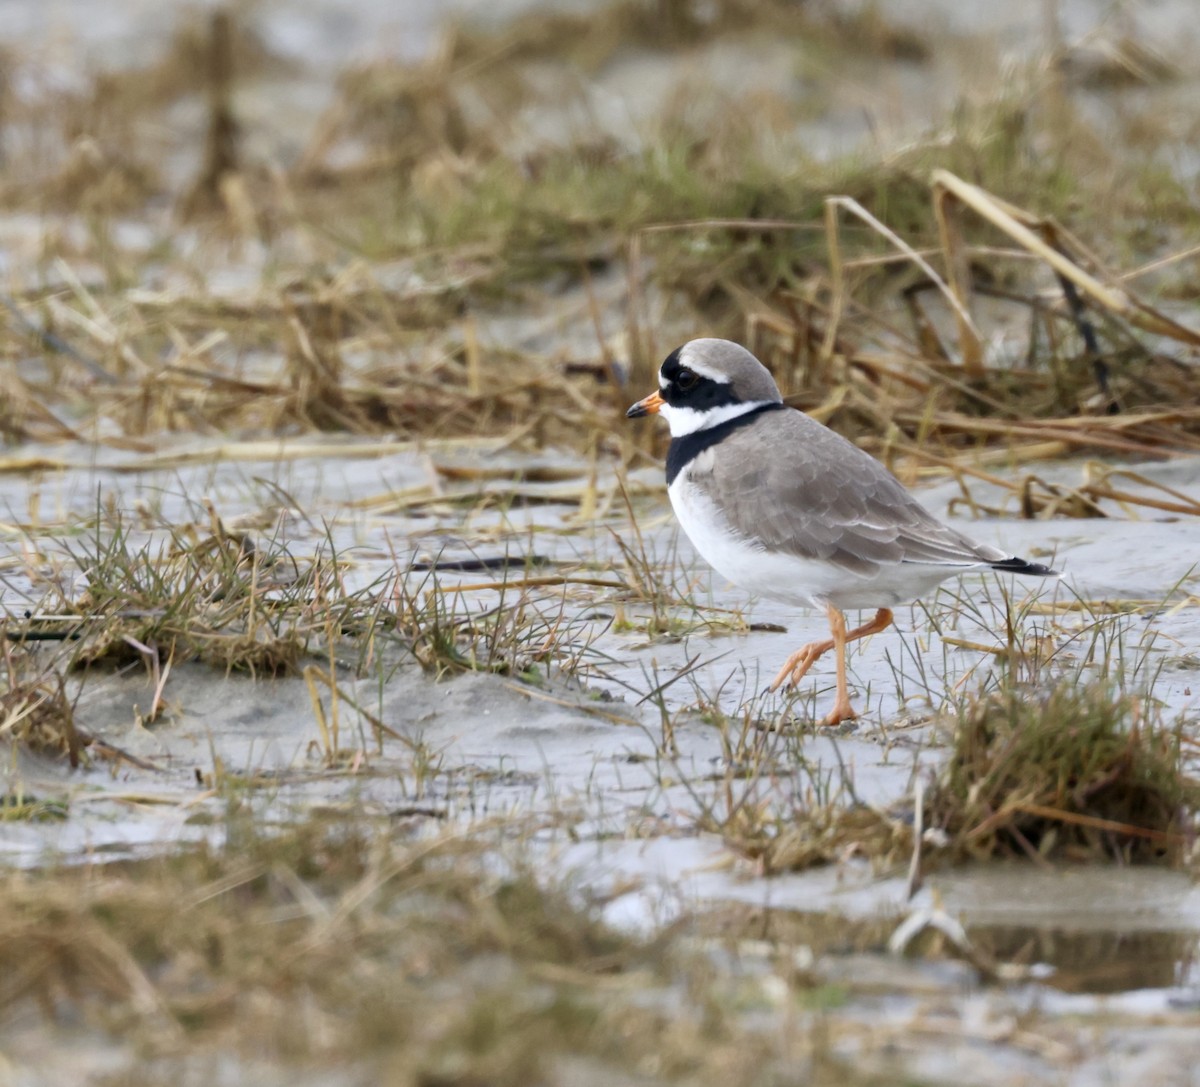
(683, 450)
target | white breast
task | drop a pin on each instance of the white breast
(745, 563)
(788, 578)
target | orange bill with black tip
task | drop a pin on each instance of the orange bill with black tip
(648, 405)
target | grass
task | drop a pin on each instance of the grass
(436, 960)
(1058, 752)
(36, 712)
(1048, 759)
(1072, 771)
(179, 595)
(721, 220)
(519, 631)
(257, 608)
(121, 597)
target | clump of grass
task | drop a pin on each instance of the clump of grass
(1044, 767)
(214, 600)
(1073, 770)
(815, 820)
(36, 712)
(258, 610)
(810, 836)
(219, 599)
(514, 632)
(20, 807)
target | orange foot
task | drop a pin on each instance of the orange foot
(842, 711)
(797, 665)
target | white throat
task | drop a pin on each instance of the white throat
(688, 420)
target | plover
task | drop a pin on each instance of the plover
(786, 508)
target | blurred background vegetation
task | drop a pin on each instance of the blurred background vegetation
(273, 217)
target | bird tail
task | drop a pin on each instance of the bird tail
(1021, 566)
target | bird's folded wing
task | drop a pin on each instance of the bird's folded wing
(800, 488)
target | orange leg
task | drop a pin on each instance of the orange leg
(796, 667)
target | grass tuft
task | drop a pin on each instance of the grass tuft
(35, 712)
(40, 716)
(810, 837)
(1073, 771)
(218, 599)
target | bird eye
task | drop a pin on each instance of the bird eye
(685, 379)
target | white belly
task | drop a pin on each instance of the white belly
(789, 578)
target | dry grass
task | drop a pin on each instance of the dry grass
(1059, 752)
(814, 835)
(1050, 769)
(881, 290)
(426, 962)
(128, 597)
(216, 598)
(434, 219)
(1074, 771)
(35, 710)
(860, 283)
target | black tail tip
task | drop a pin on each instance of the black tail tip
(1021, 566)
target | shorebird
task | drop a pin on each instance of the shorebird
(787, 509)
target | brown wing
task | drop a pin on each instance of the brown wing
(803, 489)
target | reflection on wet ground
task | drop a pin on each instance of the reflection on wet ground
(1095, 961)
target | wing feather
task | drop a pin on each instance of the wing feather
(803, 489)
